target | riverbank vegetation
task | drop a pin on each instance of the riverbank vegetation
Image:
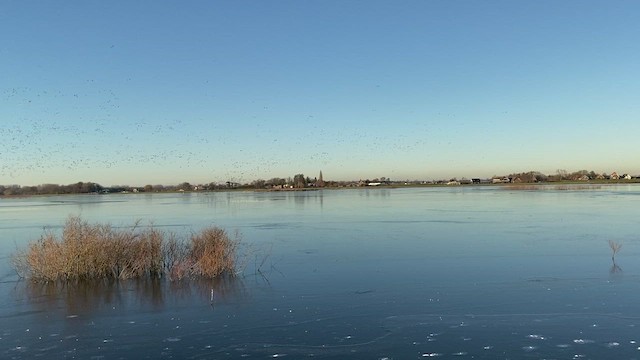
(87, 251)
(302, 182)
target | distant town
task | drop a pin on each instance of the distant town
(302, 182)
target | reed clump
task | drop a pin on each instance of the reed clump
(87, 251)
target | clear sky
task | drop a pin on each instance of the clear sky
(161, 92)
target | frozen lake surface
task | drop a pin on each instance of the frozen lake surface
(465, 272)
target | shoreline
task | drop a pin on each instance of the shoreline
(571, 185)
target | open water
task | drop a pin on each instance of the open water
(486, 272)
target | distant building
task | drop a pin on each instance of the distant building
(320, 182)
(504, 180)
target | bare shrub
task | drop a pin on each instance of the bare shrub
(615, 247)
(176, 258)
(98, 251)
(212, 252)
(42, 260)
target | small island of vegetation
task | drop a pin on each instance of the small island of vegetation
(87, 251)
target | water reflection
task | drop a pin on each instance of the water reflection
(225, 289)
(322, 299)
(615, 269)
(382, 193)
(91, 297)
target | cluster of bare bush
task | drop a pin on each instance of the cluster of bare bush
(100, 251)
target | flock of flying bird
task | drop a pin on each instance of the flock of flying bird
(51, 135)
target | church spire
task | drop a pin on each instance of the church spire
(320, 182)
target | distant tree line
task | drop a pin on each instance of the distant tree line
(94, 188)
(49, 189)
(298, 181)
(564, 175)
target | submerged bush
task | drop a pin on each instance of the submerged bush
(97, 251)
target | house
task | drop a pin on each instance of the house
(614, 176)
(626, 177)
(504, 180)
(583, 178)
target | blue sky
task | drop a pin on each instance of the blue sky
(162, 92)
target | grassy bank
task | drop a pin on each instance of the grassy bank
(87, 251)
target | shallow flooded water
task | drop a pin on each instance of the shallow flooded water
(465, 272)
